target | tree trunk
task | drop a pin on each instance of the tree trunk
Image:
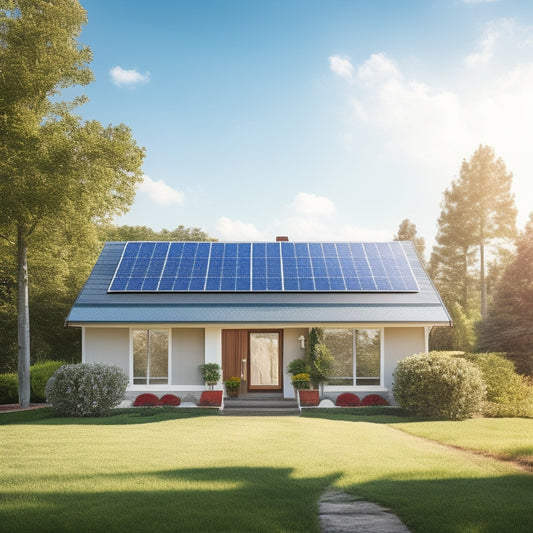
(483, 281)
(23, 316)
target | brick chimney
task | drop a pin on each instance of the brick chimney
(282, 238)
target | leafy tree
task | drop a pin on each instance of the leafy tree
(478, 210)
(407, 232)
(509, 324)
(55, 168)
(142, 233)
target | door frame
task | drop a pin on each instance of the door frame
(266, 388)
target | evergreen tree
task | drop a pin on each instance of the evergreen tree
(509, 324)
(478, 210)
(407, 232)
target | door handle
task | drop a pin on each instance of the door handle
(243, 369)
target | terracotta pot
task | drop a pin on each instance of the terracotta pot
(309, 398)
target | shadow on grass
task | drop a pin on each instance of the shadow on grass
(137, 415)
(488, 505)
(203, 499)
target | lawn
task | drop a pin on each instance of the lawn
(213, 473)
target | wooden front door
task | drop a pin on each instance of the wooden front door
(235, 355)
(255, 356)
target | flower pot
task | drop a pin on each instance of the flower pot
(309, 398)
(233, 393)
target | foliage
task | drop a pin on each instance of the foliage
(146, 400)
(9, 388)
(55, 169)
(507, 393)
(40, 373)
(319, 359)
(211, 398)
(407, 232)
(210, 373)
(170, 399)
(373, 399)
(297, 366)
(436, 384)
(477, 211)
(462, 336)
(347, 399)
(233, 383)
(86, 389)
(111, 232)
(509, 324)
(301, 381)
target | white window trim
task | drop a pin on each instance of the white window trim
(158, 386)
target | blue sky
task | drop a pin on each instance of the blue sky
(313, 119)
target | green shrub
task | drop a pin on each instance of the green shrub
(439, 385)
(86, 389)
(297, 366)
(40, 373)
(9, 388)
(506, 390)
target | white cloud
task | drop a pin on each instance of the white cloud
(341, 65)
(161, 193)
(235, 230)
(486, 51)
(121, 77)
(311, 204)
(377, 67)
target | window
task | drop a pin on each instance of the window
(356, 354)
(150, 356)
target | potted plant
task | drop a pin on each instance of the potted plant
(210, 373)
(301, 381)
(233, 385)
(306, 397)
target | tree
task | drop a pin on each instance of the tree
(407, 232)
(509, 324)
(143, 233)
(478, 210)
(55, 168)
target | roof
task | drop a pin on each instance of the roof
(97, 304)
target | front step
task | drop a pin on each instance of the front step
(260, 407)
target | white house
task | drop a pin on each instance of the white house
(160, 309)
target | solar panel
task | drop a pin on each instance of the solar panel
(263, 267)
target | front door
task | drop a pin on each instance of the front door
(264, 360)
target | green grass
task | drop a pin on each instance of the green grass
(211, 473)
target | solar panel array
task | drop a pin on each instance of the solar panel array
(263, 267)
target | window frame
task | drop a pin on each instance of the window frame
(354, 377)
(147, 385)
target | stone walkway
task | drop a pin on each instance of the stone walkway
(344, 513)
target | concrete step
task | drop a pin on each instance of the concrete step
(265, 406)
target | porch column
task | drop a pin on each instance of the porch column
(213, 348)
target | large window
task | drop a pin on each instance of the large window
(150, 356)
(356, 354)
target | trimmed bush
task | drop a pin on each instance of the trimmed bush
(86, 389)
(507, 394)
(146, 400)
(170, 399)
(297, 366)
(439, 385)
(40, 373)
(9, 388)
(347, 399)
(374, 399)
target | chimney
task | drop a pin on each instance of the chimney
(282, 238)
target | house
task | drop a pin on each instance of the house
(161, 309)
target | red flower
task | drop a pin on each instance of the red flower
(146, 400)
(169, 399)
(211, 398)
(347, 399)
(374, 399)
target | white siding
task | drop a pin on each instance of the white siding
(401, 343)
(107, 345)
(188, 353)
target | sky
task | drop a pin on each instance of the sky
(317, 120)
